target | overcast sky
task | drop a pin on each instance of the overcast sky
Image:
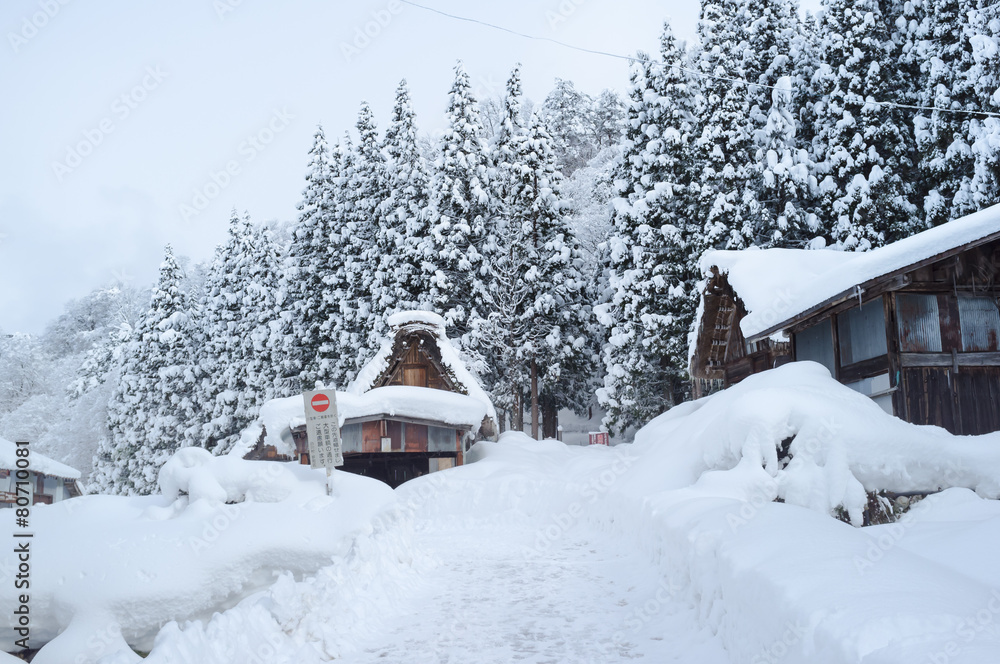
(117, 114)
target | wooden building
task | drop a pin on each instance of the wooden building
(914, 324)
(47, 480)
(413, 409)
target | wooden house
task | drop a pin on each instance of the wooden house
(914, 324)
(46, 481)
(413, 409)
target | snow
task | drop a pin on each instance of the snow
(279, 416)
(126, 566)
(37, 462)
(450, 358)
(668, 549)
(777, 285)
(428, 318)
(768, 281)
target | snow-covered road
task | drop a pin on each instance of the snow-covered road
(510, 593)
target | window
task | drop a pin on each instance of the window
(979, 319)
(919, 323)
(862, 333)
(816, 343)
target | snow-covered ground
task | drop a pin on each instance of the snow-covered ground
(669, 549)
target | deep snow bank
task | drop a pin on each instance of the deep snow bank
(841, 443)
(780, 582)
(109, 570)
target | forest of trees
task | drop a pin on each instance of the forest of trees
(560, 240)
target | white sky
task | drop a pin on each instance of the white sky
(222, 76)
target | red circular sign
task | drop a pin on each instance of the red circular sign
(320, 402)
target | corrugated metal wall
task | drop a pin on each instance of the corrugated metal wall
(862, 332)
(816, 343)
(919, 323)
(979, 320)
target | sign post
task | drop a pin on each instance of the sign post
(323, 430)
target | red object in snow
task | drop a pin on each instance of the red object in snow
(599, 438)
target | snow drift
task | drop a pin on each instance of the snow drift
(111, 570)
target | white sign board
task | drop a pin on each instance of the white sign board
(323, 429)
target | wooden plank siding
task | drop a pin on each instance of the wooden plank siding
(416, 437)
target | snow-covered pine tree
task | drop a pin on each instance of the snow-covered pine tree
(867, 148)
(983, 189)
(609, 120)
(402, 239)
(300, 301)
(337, 361)
(502, 334)
(152, 412)
(655, 245)
(461, 213)
(364, 191)
(535, 335)
(559, 310)
(787, 179)
(728, 201)
(943, 50)
(570, 115)
(781, 169)
(237, 317)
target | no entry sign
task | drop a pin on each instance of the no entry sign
(323, 429)
(320, 403)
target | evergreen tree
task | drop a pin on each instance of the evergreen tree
(401, 241)
(609, 121)
(503, 333)
(301, 302)
(781, 172)
(341, 338)
(571, 115)
(535, 333)
(655, 245)
(983, 76)
(866, 146)
(237, 318)
(152, 412)
(728, 201)
(460, 215)
(562, 350)
(364, 191)
(786, 175)
(943, 49)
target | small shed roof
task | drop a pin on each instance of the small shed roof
(38, 463)
(780, 286)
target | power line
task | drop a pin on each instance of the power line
(695, 72)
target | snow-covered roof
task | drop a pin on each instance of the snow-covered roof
(766, 279)
(280, 416)
(435, 325)
(38, 463)
(779, 285)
